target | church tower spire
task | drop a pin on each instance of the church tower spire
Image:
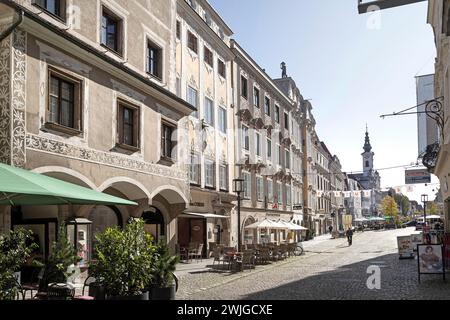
(367, 145)
(368, 155)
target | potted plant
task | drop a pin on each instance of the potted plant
(62, 257)
(163, 278)
(123, 261)
(14, 253)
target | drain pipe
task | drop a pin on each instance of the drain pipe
(18, 12)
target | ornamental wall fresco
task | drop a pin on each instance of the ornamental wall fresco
(12, 99)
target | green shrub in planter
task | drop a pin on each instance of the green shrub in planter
(163, 279)
(63, 255)
(14, 253)
(124, 260)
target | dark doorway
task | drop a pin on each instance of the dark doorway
(154, 224)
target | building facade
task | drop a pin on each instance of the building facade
(91, 103)
(152, 101)
(437, 155)
(352, 200)
(263, 146)
(203, 78)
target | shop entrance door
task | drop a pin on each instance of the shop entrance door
(198, 232)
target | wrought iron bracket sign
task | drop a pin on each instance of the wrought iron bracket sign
(434, 110)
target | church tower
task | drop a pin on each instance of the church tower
(367, 155)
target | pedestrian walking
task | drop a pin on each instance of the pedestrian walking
(349, 235)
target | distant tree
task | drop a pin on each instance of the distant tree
(432, 208)
(403, 202)
(390, 208)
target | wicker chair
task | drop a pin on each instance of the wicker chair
(196, 253)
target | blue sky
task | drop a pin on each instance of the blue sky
(353, 67)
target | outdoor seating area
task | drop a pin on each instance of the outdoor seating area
(252, 255)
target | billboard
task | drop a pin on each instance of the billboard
(417, 176)
(365, 6)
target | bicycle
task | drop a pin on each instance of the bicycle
(299, 249)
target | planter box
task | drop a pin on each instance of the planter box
(163, 293)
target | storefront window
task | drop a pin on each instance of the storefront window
(79, 233)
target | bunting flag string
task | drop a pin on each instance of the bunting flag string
(344, 194)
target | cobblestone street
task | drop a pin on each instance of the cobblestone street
(329, 270)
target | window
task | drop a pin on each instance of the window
(259, 189)
(269, 149)
(247, 186)
(288, 159)
(244, 87)
(223, 177)
(64, 102)
(128, 125)
(280, 193)
(245, 138)
(221, 68)
(286, 120)
(210, 170)
(256, 97)
(192, 3)
(222, 120)
(208, 56)
(166, 141)
(55, 7)
(277, 114)
(288, 195)
(270, 190)
(194, 172)
(154, 60)
(267, 106)
(209, 112)
(192, 98)
(258, 143)
(279, 154)
(367, 164)
(178, 29)
(111, 31)
(192, 42)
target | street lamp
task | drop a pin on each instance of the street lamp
(425, 200)
(238, 188)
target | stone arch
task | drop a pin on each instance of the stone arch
(248, 232)
(171, 194)
(66, 174)
(62, 212)
(132, 189)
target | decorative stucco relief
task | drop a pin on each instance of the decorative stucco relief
(19, 98)
(5, 99)
(41, 144)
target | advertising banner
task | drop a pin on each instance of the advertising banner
(405, 247)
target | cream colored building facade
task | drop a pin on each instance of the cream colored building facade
(91, 104)
(203, 78)
(263, 145)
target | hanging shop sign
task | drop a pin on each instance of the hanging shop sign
(417, 176)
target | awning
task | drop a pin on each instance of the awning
(205, 215)
(19, 187)
(267, 224)
(292, 226)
